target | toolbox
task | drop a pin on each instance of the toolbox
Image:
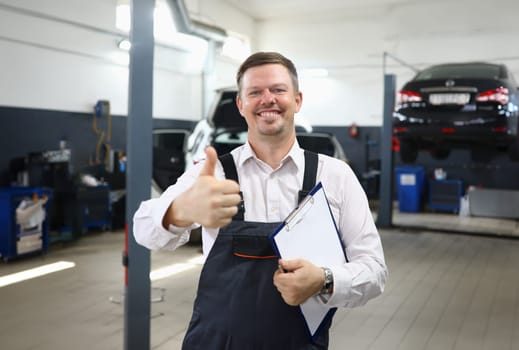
(24, 227)
(445, 195)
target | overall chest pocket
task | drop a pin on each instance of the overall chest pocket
(252, 247)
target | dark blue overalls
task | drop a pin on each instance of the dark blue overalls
(237, 305)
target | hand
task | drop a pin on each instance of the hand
(209, 202)
(300, 281)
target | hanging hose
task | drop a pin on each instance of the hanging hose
(102, 109)
(101, 135)
(108, 146)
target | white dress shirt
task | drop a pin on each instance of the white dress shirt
(269, 196)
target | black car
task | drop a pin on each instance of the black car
(320, 142)
(457, 105)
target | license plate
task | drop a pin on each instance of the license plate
(449, 99)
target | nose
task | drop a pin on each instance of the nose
(267, 97)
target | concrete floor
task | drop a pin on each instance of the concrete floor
(445, 291)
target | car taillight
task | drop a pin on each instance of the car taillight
(448, 130)
(500, 129)
(497, 95)
(406, 96)
(395, 144)
(399, 130)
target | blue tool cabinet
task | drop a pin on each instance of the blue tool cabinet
(94, 207)
(445, 195)
(16, 240)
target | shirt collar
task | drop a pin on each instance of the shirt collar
(296, 154)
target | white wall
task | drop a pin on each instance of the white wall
(45, 63)
(350, 45)
(48, 63)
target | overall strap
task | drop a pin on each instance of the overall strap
(310, 175)
(311, 161)
(229, 168)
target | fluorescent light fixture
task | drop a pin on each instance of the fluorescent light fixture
(35, 272)
(313, 72)
(173, 269)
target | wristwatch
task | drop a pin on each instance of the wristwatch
(328, 282)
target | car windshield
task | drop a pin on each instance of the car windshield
(235, 137)
(485, 71)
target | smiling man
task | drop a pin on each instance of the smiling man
(244, 301)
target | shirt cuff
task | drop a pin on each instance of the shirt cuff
(180, 234)
(342, 281)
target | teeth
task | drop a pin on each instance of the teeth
(269, 114)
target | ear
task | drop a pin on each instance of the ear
(239, 104)
(299, 100)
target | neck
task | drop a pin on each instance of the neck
(272, 151)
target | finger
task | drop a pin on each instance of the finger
(221, 217)
(291, 265)
(228, 212)
(230, 200)
(220, 222)
(229, 187)
(210, 162)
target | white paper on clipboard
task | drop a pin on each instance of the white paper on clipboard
(310, 233)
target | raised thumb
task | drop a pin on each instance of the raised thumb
(210, 162)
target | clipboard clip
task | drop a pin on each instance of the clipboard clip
(299, 213)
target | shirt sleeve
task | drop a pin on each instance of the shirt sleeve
(147, 220)
(364, 275)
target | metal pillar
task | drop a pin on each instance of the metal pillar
(138, 177)
(385, 211)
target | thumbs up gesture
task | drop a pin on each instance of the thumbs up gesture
(209, 202)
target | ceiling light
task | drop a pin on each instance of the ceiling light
(124, 44)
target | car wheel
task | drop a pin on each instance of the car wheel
(408, 151)
(440, 153)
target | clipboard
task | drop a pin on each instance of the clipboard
(310, 233)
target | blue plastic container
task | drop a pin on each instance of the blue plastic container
(410, 183)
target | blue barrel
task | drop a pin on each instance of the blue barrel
(410, 183)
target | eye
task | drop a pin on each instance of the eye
(278, 90)
(253, 93)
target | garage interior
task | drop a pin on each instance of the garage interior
(66, 108)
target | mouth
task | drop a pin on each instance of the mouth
(269, 114)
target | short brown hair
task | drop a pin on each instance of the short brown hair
(261, 58)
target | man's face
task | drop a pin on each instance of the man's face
(268, 101)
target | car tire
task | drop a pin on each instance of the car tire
(408, 151)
